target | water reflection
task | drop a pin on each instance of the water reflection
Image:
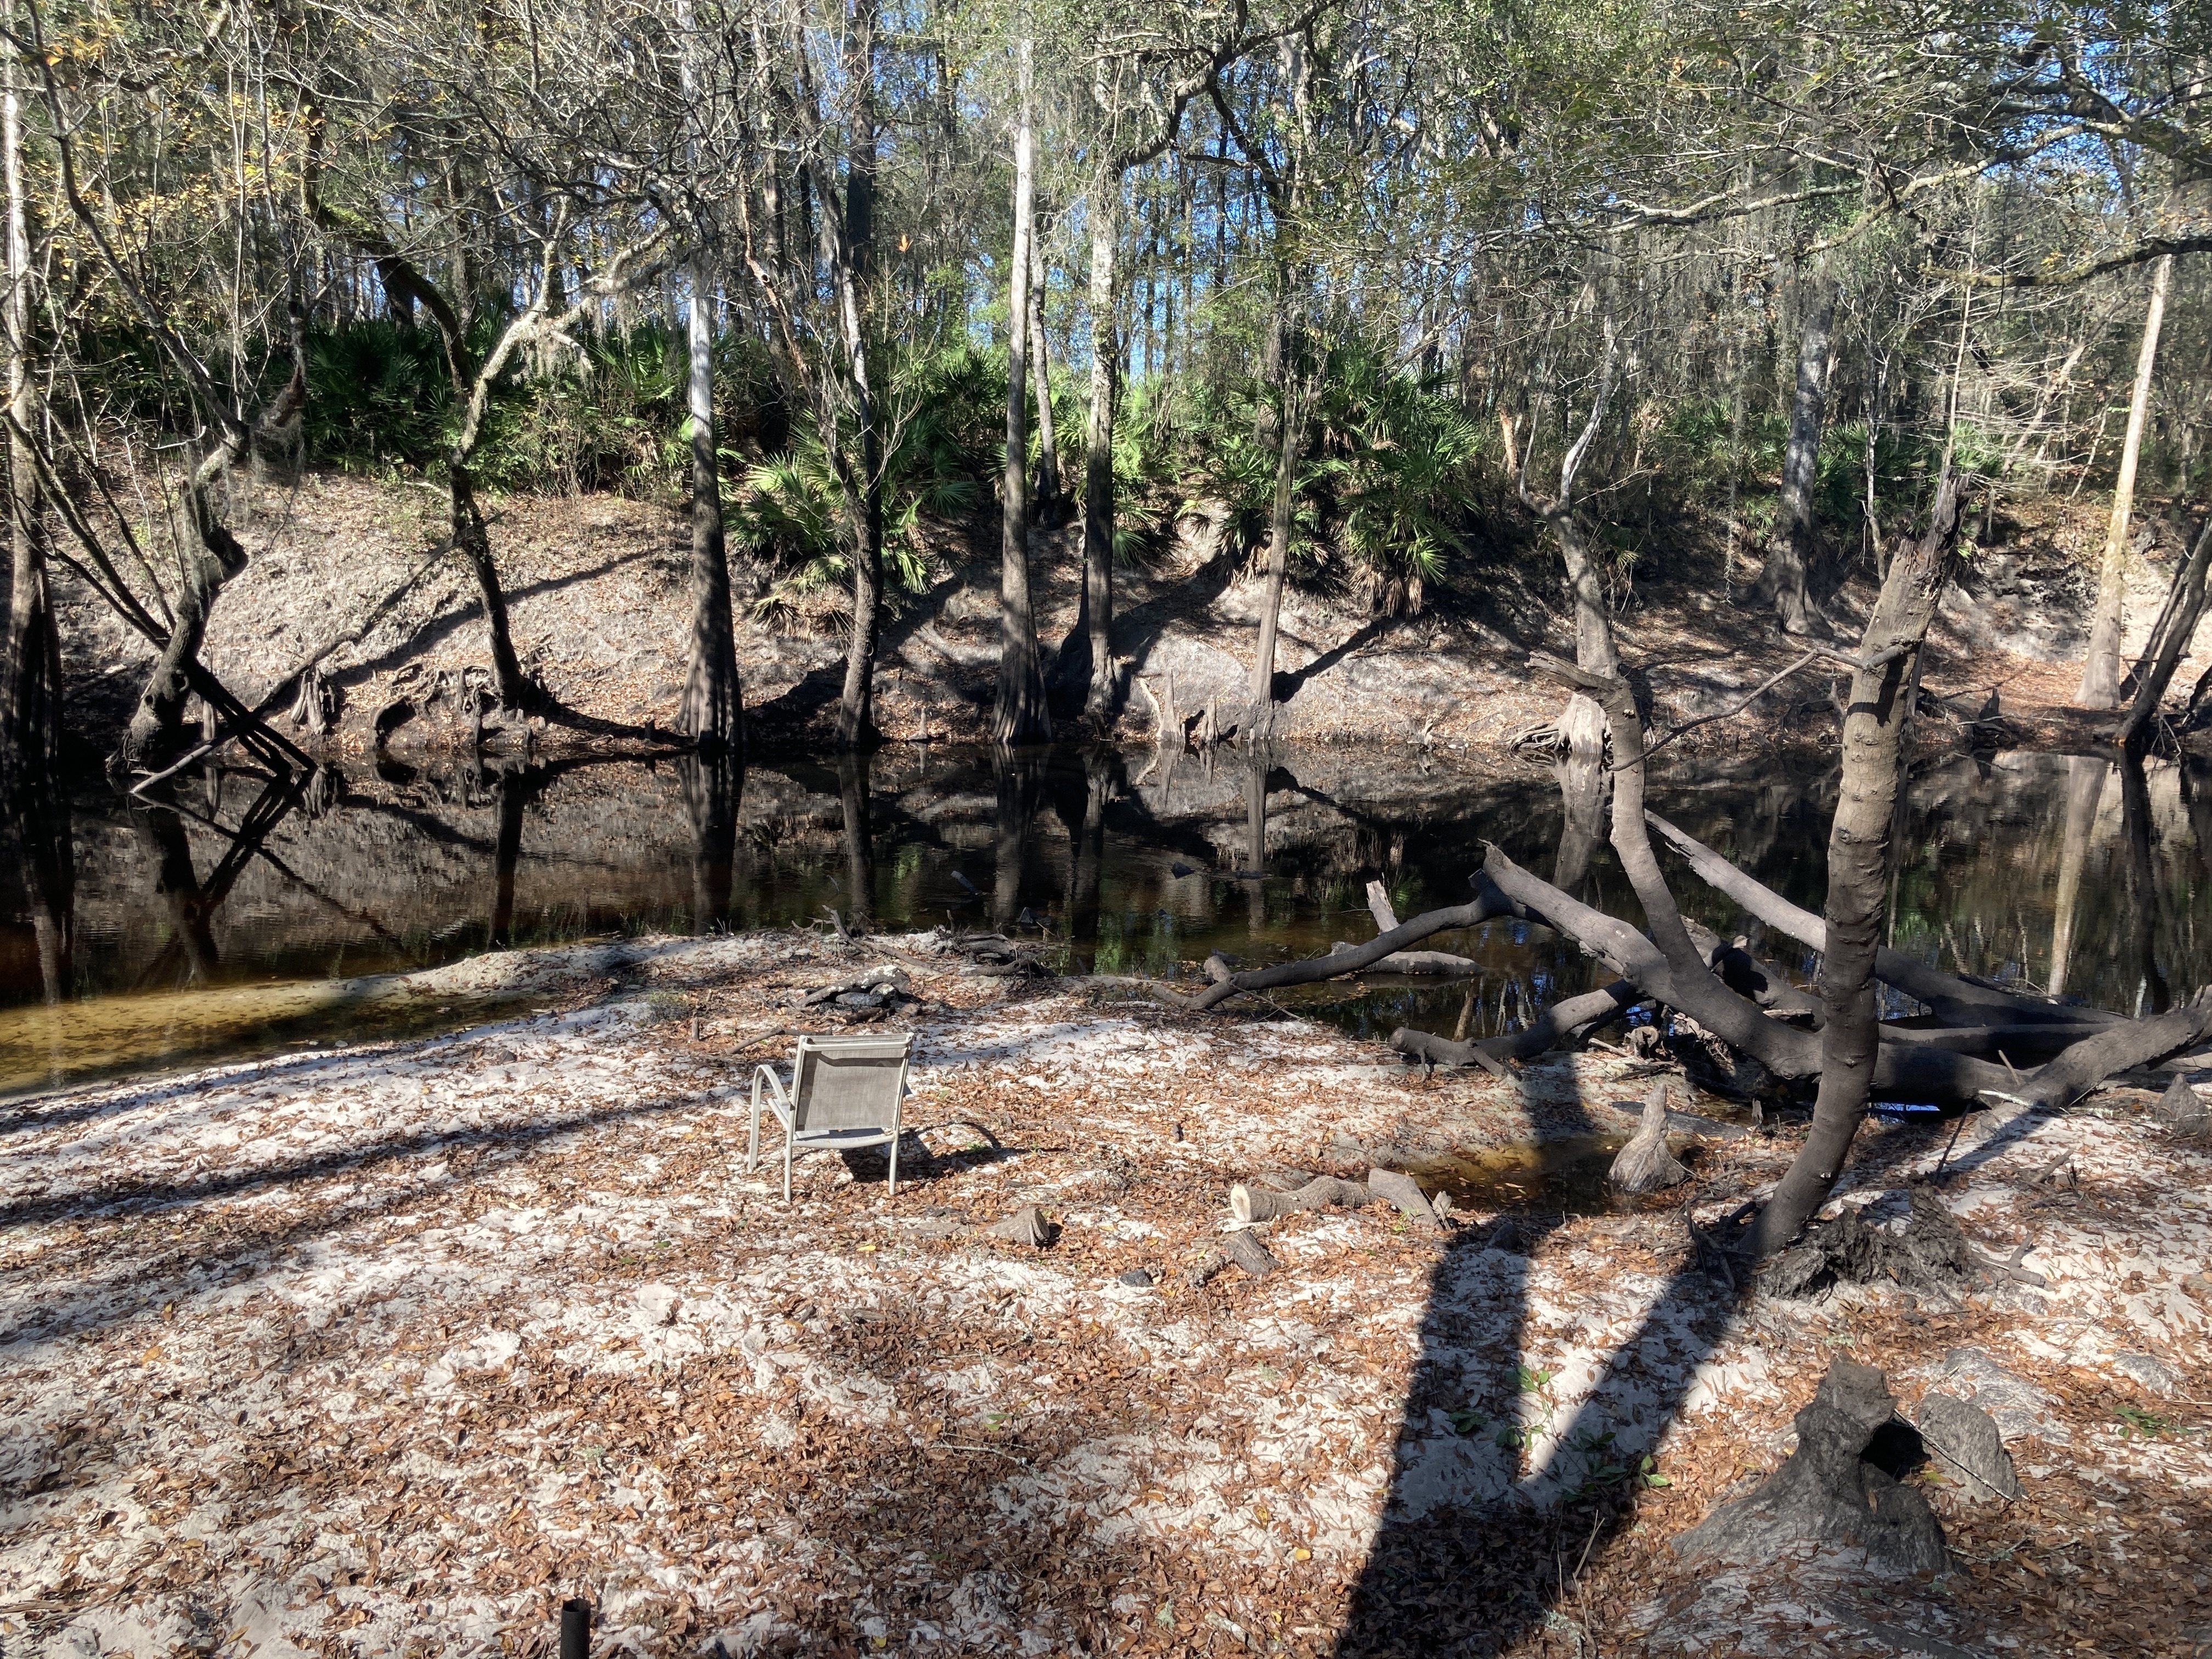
(2022, 867)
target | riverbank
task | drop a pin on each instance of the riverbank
(597, 590)
(387, 1347)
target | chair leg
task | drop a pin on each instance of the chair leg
(786, 1165)
(752, 1141)
(893, 1187)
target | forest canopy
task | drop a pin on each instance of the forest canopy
(1351, 270)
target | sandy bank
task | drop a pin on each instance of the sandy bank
(387, 1347)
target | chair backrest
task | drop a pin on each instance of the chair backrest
(848, 1083)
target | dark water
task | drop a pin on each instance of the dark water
(217, 922)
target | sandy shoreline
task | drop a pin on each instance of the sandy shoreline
(386, 1348)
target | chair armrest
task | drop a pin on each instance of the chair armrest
(779, 1099)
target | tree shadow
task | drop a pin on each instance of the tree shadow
(1288, 683)
(435, 630)
(1510, 1475)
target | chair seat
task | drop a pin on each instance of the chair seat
(839, 1139)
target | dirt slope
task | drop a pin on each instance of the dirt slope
(597, 590)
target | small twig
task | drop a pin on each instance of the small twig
(1956, 1127)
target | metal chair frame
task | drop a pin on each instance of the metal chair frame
(821, 1111)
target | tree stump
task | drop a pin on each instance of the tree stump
(1645, 1165)
(2181, 1108)
(1026, 1225)
(1831, 1490)
(1404, 1191)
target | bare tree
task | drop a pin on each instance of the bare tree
(1581, 728)
(2100, 671)
(1020, 714)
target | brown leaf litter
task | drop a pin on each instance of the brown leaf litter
(389, 1348)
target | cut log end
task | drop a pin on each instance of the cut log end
(1250, 1204)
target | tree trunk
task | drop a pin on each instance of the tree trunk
(859, 841)
(2169, 643)
(515, 795)
(712, 785)
(1581, 724)
(856, 724)
(713, 709)
(1260, 723)
(177, 884)
(1096, 622)
(30, 670)
(34, 827)
(1581, 727)
(213, 560)
(1792, 550)
(2100, 672)
(1858, 866)
(846, 244)
(1045, 504)
(1020, 714)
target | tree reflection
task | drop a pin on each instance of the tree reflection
(2085, 787)
(712, 785)
(859, 840)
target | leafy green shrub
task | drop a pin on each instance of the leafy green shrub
(790, 509)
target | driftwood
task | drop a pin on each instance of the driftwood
(1955, 1000)
(993, 955)
(1205, 1271)
(1417, 963)
(1914, 1068)
(1246, 1250)
(1404, 1191)
(1421, 963)
(1248, 1204)
(1487, 905)
(1645, 1165)
(871, 989)
(1565, 1021)
(1026, 1225)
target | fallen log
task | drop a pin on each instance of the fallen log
(1246, 1250)
(1747, 976)
(1957, 1001)
(1902, 1070)
(2118, 1047)
(1404, 1191)
(1417, 963)
(1487, 905)
(1566, 1021)
(1248, 1204)
(1404, 962)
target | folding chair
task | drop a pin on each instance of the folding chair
(844, 1093)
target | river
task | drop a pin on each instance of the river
(203, 927)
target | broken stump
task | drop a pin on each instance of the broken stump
(1830, 1491)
